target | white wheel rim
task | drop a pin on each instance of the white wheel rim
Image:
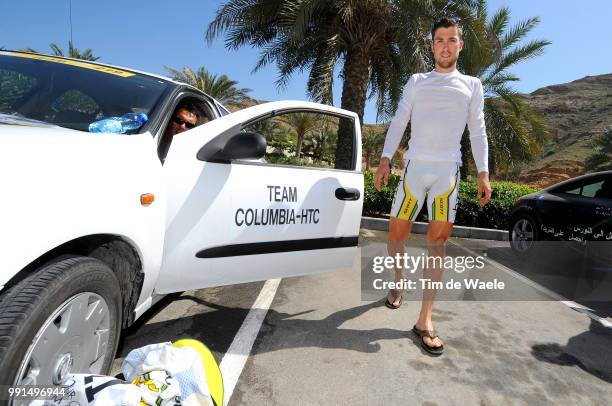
(74, 338)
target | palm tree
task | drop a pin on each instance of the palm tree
(86, 55)
(221, 87)
(320, 142)
(378, 43)
(601, 159)
(269, 129)
(302, 124)
(372, 144)
(515, 131)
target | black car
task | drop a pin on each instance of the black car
(578, 210)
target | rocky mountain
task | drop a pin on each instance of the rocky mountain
(576, 113)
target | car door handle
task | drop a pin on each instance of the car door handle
(343, 193)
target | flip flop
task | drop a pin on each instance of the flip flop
(431, 334)
(395, 294)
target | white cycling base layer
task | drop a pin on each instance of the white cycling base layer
(439, 106)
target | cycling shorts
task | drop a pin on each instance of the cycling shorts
(436, 180)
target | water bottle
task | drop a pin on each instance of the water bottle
(107, 125)
(119, 125)
(133, 121)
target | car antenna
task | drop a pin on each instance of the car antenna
(70, 19)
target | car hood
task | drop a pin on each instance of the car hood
(34, 135)
(59, 184)
(532, 195)
(11, 126)
(8, 119)
(37, 156)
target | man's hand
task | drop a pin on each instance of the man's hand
(484, 187)
(382, 173)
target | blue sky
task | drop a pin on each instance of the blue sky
(147, 35)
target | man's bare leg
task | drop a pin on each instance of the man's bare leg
(399, 231)
(438, 233)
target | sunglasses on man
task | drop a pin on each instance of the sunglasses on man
(180, 121)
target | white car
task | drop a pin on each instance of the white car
(96, 227)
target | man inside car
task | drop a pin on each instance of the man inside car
(185, 117)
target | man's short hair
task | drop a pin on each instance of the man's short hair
(446, 22)
(190, 107)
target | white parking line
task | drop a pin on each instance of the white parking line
(236, 356)
(572, 305)
(585, 310)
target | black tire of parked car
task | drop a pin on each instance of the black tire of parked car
(532, 226)
(25, 307)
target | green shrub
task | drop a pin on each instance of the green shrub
(494, 215)
(374, 202)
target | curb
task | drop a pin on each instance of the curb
(373, 223)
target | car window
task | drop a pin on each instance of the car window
(605, 191)
(302, 138)
(73, 107)
(13, 86)
(222, 110)
(591, 189)
(73, 94)
(203, 111)
(573, 191)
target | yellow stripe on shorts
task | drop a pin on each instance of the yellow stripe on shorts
(441, 203)
(409, 204)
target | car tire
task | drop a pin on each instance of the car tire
(523, 234)
(63, 318)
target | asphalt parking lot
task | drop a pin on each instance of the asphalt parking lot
(321, 343)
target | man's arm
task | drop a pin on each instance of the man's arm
(479, 143)
(394, 133)
(400, 120)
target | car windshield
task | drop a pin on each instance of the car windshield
(70, 93)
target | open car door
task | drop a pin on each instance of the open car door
(236, 216)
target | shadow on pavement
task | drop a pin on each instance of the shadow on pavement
(297, 332)
(590, 351)
(567, 272)
(215, 328)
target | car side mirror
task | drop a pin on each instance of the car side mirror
(243, 145)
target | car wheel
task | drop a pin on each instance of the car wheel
(523, 234)
(64, 318)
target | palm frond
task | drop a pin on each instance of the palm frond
(500, 21)
(321, 78)
(228, 18)
(57, 51)
(521, 53)
(509, 95)
(490, 82)
(221, 87)
(518, 32)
